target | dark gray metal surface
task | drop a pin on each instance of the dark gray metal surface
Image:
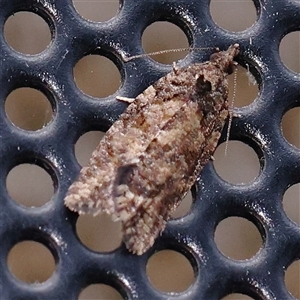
(261, 277)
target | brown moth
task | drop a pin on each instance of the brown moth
(150, 158)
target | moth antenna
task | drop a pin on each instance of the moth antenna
(126, 59)
(231, 109)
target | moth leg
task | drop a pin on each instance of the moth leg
(125, 99)
(175, 67)
(236, 115)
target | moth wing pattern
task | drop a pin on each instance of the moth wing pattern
(152, 155)
(125, 140)
(153, 187)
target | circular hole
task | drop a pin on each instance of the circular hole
(289, 50)
(291, 203)
(99, 291)
(239, 166)
(99, 233)
(291, 126)
(245, 89)
(237, 297)
(292, 279)
(97, 76)
(237, 238)
(184, 207)
(19, 29)
(31, 262)
(86, 144)
(28, 109)
(170, 272)
(164, 36)
(233, 15)
(97, 10)
(29, 185)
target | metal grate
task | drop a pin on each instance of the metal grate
(261, 277)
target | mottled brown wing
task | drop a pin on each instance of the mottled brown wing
(125, 140)
(150, 189)
(151, 156)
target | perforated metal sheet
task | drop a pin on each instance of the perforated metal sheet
(261, 277)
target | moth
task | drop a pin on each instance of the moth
(152, 155)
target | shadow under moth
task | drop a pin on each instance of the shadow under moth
(151, 156)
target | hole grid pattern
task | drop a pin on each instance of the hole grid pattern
(74, 113)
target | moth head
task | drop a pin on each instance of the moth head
(225, 59)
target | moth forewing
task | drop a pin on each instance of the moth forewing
(152, 155)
